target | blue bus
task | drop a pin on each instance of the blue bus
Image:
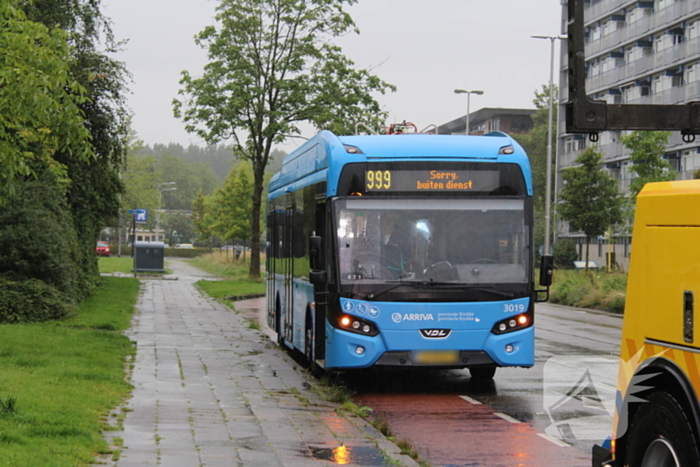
(411, 250)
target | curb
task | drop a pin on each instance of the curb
(235, 298)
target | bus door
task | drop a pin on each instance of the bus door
(288, 271)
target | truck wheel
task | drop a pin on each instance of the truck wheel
(482, 372)
(660, 435)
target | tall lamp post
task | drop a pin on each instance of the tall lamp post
(468, 93)
(160, 203)
(548, 184)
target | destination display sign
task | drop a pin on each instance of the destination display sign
(386, 180)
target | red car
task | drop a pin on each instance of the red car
(102, 249)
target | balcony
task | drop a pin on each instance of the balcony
(641, 68)
(640, 29)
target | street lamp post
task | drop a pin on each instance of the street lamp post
(468, 93)
(160, 203)
(548, 184)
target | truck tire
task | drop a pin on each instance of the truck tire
(661, 435)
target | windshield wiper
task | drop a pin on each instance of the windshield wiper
(441, 285)
(394, 285)
(469, 288)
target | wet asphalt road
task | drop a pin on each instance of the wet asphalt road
(548, 415)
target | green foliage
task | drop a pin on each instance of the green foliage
(39, 100)
(647, 148)
(590, 201)
(31, 300)
(534, 143)
(38, 240)
(272, 66)
(232, 206)
(696, 174)
(565, 253)
(602, 291)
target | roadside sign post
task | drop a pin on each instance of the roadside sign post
(139, 216)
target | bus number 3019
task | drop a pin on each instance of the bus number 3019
(378, 179)
(514, 308)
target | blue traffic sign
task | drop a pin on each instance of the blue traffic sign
(141, 215)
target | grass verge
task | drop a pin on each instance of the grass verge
(231, 287)
(596, 290)
(235, 274)
(60, 380)
(114, 264)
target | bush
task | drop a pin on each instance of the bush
(38, 240)
(565, 253)
(598, 290)
(31, 300)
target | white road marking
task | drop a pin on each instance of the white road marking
(469, 399)
(506, 417)
(554, 440)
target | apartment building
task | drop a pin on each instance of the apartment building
(637, 52)
(490, 119)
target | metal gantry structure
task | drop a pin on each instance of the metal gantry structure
(585, 115)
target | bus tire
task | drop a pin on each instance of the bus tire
(660, 435)
(482, 372)
(278, 324)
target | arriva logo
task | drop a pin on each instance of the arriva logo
(398, 317)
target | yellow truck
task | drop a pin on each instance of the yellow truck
(657, 415)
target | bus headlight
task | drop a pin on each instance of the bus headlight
(514, 323)
(357, 325)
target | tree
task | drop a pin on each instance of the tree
(647, 148)
(590, 201)
(93, 194)
(233, 205)
(272, 66)
(39, 100)
(534, 142)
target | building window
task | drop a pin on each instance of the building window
(693, 30)
(691, 73)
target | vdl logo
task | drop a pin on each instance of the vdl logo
(435, 333)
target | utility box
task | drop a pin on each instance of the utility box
(149, 256)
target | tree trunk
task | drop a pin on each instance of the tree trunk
(588, 245)
(258, 178)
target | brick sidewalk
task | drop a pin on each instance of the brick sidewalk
(211, 391)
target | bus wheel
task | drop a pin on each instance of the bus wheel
(482, 372)
(309, 351)
(660, 435)
(278, 325)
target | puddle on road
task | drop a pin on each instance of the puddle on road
(366, 456)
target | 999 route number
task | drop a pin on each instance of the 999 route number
(378, 179)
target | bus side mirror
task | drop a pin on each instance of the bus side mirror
(546, 270)
(314, 250)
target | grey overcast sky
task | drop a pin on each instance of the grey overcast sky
(425, 48)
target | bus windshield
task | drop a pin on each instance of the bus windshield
(453, 241)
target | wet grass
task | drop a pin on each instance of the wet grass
(234, 273)
(597, 290)
(231, 287)
(112, 264)
(60, 380)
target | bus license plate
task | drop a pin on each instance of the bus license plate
(436, 357)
